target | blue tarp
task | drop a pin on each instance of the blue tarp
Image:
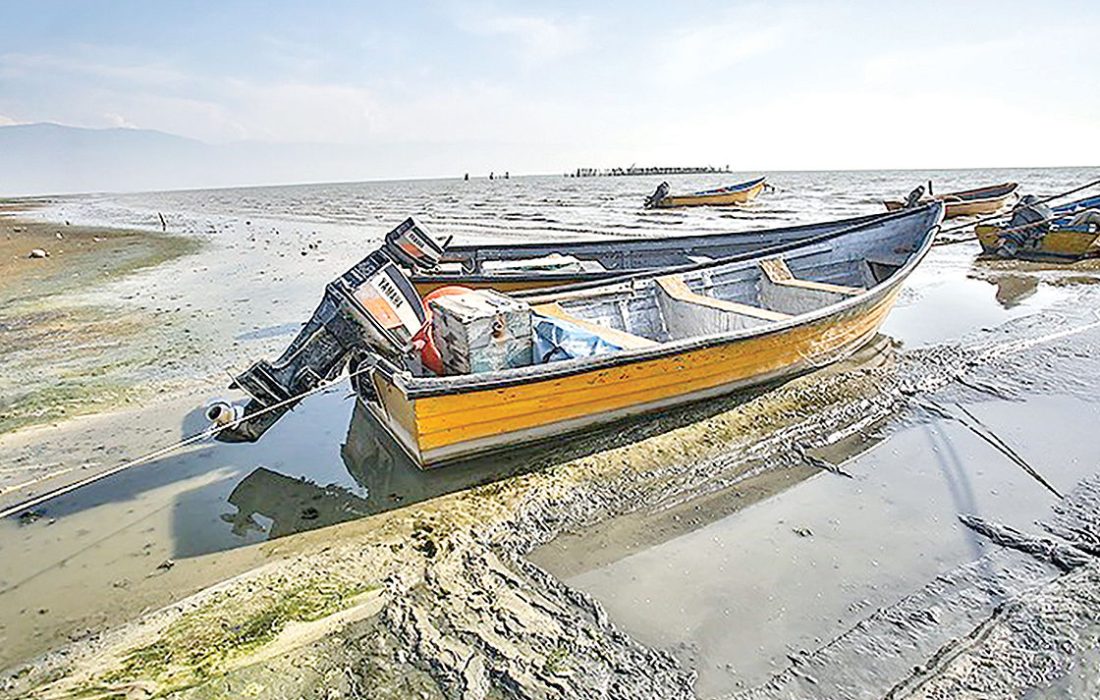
(556, 340)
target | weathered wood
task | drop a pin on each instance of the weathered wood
(481, 331)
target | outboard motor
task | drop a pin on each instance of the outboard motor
(914, 198)
(659, 194)
(1030, 221)
(1031, 213)
(373, 307)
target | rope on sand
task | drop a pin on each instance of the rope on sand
(168, 449)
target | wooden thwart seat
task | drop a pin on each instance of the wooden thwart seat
(675, 287)
(777, 271)
(627, 341)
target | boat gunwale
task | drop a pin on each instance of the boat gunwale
(964, 196)
(730, 189)
(575, 279)
(425, 387)
(642, 243)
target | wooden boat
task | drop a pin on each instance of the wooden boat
(517, 267)
(684, 334)
(1062, 242)
(659, 339)
(977, 202)
(733, 194)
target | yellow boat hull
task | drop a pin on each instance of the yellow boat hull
(1068, 245)
(714, 200)
(442, 428)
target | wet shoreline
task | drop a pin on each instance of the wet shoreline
(534, 571)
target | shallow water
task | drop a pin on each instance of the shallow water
(738, 597)
(325, 462)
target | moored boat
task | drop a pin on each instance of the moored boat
(981, 201)
(523, 266)
(1066, 232)
(741, 193)
(631, 345)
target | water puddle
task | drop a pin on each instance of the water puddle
(941, 302)
(84, 554)
(738, 597)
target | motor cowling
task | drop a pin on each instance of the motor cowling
(914, 198)
(1032, 214)
(371, 308)
(659, 194)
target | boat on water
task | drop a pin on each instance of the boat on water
(594, 352)
(740, 193)
(523, 266)
(1066, 232)
(981, 201)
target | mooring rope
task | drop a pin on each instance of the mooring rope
(26, 505)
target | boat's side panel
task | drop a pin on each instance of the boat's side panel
(451, 426)
(975, 208)
(397, 412)
(978, 202)
(1055, 244)
(717, 199)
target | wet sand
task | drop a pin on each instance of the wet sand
(64, 351)
(317, 562)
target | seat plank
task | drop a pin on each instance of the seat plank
(777, 271)
(676, 288)
(623, 339)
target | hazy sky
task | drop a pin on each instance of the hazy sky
(757, 85)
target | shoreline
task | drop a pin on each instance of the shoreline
(448, 594)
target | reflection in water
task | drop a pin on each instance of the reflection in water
(291, 504)
(387, 477)
(1013, 289)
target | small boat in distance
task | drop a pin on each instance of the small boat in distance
(520, 266)
(722, 196)
(631, 345)
(977, 202)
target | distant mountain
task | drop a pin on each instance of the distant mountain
(56, 159)
(50, 158)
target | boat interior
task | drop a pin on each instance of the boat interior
(724, 298)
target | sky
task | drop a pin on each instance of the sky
(537, 87)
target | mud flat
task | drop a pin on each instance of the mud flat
(887, 591)
(64, 352)
(437, 598)
(868, 530)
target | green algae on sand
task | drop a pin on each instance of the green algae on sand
(63, 355)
